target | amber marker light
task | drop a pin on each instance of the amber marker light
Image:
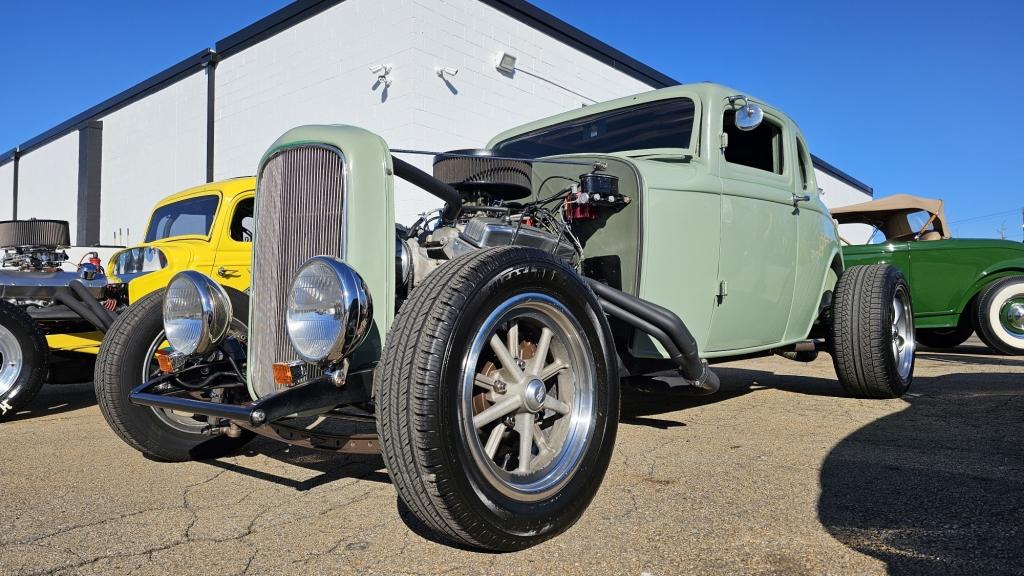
(288, 373)
(163, 358)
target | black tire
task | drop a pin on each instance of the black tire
(19, 384)
(991, 316)
(119, 368)
(942, 338)
(864, 351)
(418, 400)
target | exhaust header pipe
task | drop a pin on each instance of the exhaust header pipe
(665, 327)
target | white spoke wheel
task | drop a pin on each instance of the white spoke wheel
(528, 428)
(497, 398)
(872, 333)
(999, 318)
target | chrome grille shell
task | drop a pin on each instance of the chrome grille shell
(300, 213)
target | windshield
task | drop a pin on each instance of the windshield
(661, 124)
(193, 216)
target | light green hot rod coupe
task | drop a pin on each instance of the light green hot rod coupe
(632, 242)
(959, 285)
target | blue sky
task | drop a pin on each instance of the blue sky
(914, 97)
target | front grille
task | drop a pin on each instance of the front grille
(300, 205)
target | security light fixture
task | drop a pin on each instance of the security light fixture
(383, 72)
(506, 63)
(442, 72)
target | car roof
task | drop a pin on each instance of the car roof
(705, 91)
(229, 188)
(878, 211)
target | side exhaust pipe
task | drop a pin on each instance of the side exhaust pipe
(665, 327)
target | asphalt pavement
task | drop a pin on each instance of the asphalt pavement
(778, 474)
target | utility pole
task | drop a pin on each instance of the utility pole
(1002, 231)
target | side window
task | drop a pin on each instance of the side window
(760, 148)
(801, 157)
(242, 221)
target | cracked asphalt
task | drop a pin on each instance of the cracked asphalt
(779, 474)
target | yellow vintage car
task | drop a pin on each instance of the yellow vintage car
(207, 228)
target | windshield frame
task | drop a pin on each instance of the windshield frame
(692, 150)
(213, 221)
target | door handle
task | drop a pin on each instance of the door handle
(225, 272)
(801, 198)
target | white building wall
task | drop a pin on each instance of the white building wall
(837, 193)
(48, 182)
(317, 72)
(7, 191)
(151, 148)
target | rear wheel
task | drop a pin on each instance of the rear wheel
(873, 339)
(24, 359)
(498, 399)
(999, 317)
(127, 359)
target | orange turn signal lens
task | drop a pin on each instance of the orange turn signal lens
(163, 358)
(288, 373)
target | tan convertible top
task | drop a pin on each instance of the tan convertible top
(890, 215)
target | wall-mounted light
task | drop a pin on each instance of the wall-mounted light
(506, 63)
(383, 72)
(442, 72)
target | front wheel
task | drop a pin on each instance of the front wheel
(873, 339)
(999, 316)
(127, 359)
(24, 356)
(498, 399)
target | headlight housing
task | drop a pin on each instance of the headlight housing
(329, 310)
(197, 312)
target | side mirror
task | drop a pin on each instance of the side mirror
(749, 116)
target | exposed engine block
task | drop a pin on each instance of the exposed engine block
(34, 244)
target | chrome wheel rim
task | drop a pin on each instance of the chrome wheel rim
(1011, 316)
(903, 341)
(181, 421)
(527, 406)
(11, 360)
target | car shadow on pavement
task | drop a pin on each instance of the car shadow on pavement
(980, 356)
(331, 466)
(56, 399)
(937, 488)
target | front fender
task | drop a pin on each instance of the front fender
(178, 258)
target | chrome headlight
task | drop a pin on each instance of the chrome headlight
(197, 312)
(329, 310)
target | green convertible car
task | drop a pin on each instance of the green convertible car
(958, 286)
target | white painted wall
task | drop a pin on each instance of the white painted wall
(48, 182)
(153, 147)
(838, 193)
(317, 72)
(7, 191)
